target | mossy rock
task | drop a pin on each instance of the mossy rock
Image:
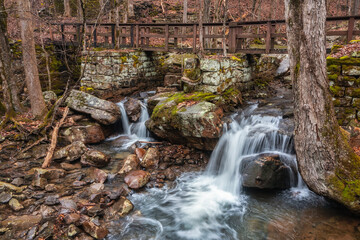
(346, 60)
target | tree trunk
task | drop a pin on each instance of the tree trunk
(326, 162)
(224, 26)
(37, 102)
(185, 11)
(67, 9)
(130, 9)
(80, 10)
(201, 28)
(355, 7)
(10, 90)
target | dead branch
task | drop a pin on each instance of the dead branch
(53, 143)
(150, 142)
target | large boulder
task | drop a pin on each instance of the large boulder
(103, 111)
(89, 134)
(190, 119)
(137, 179)
(265, 171)
(95, 158)
(71, 152)
(133, 109)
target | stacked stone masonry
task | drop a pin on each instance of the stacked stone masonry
(112, 70)
(344, 77)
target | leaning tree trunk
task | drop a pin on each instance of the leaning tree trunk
(37, 102)
(10, 89)
(67, 8)
(326, 162)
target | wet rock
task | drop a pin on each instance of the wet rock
(52, 200)
(151, 159)
(170, 174)
(140, 152)
(131, 163)
(96, 187)
(97, 232)
(47, 212)
(96, 210)
(67, 204)
(69, 167)
(39, 182)
(265, 171)
(49, 174)
(15, 205)
(78, 184)
(22, 222)
(137, 179)
(89, 134)
(18, 182)
(122, 207)
(133, 109)
(72, 218)
(97, 175)
(32, 233)
(50, 188)
(102, 111)
(71, 152)
(10, 187)
(95, 158)
(197, 124)
(73, 230)
(5, 197)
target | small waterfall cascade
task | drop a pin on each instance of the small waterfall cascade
(138, 129)
(250, 136)
(212, 204)
(124, 119)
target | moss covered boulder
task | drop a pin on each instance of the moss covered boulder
(192, 119)
(103, 111)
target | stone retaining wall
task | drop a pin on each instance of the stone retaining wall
(108, 71)
(344, 77)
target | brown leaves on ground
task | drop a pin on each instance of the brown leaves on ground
(186, 104)
(346, 50)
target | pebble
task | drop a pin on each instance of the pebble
(15, 205)
(5, 197)
(52, 200)
(18, 182)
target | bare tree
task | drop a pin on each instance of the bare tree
(130, 8)
(201, 28)
(37, 102)
(326, 162)
(10, 90)
(67, 9)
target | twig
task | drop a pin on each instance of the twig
(31, 146)
(151, 142)
(54, 136)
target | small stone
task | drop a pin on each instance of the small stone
(96, 187)
(95, 158)
(5, 197)
(18, 182)
(38, 195)
(52, 200)
(131, 163)
(122, 207)
(67, 204)
(151, 158)
(32, 233)
(137, 179)
(95, 211)
(97, 175)
(69, 167)
(47, 212)
(73, 230)
(15, 205)
(97, 232)
(39, 182)
(78, 184)
(140, 152)
(72, 218)
(169, 174)
(50, 188)
(71, 152)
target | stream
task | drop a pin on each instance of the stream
(213, 204)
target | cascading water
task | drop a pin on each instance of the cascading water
(139, 128)
(212, 205)
(124, 119)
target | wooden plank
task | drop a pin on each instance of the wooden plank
(194, 38)
(272, 39)
(113, 38)
(95, 38)
(124, 35)
(137, 36)
(176, 31)
(336, 33)
(132, 36)
(232, 39)
(250, 35)
(350, 29)
(214, 36)
(166, 38)
(268, 37)
(147, 39)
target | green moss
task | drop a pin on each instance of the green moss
(123, 59)
(333, 77)
(337, 102)
(334, 69)
(354, 41)
(336, 48)
(193, 74)
(337, 91)
(136, 60)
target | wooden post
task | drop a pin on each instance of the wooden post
(194, 38)
(113, 38)
(62, 33)
(176, 32)
(137, 36)
(350, 29)
(239, 41)
(142, 31)
(132, 35)
(51, 33)
(106, 38)
(78, 34)
(95, 37)
(232, 38)
(123, 39)
(166, 37)
(147, 39)
(272, 43)
(268, 37)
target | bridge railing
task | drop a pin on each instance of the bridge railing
(247, 37)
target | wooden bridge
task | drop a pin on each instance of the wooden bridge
(254, 37)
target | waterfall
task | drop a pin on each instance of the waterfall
(124, 119)
(139, 128)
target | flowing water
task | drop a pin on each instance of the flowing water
(214, 205)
